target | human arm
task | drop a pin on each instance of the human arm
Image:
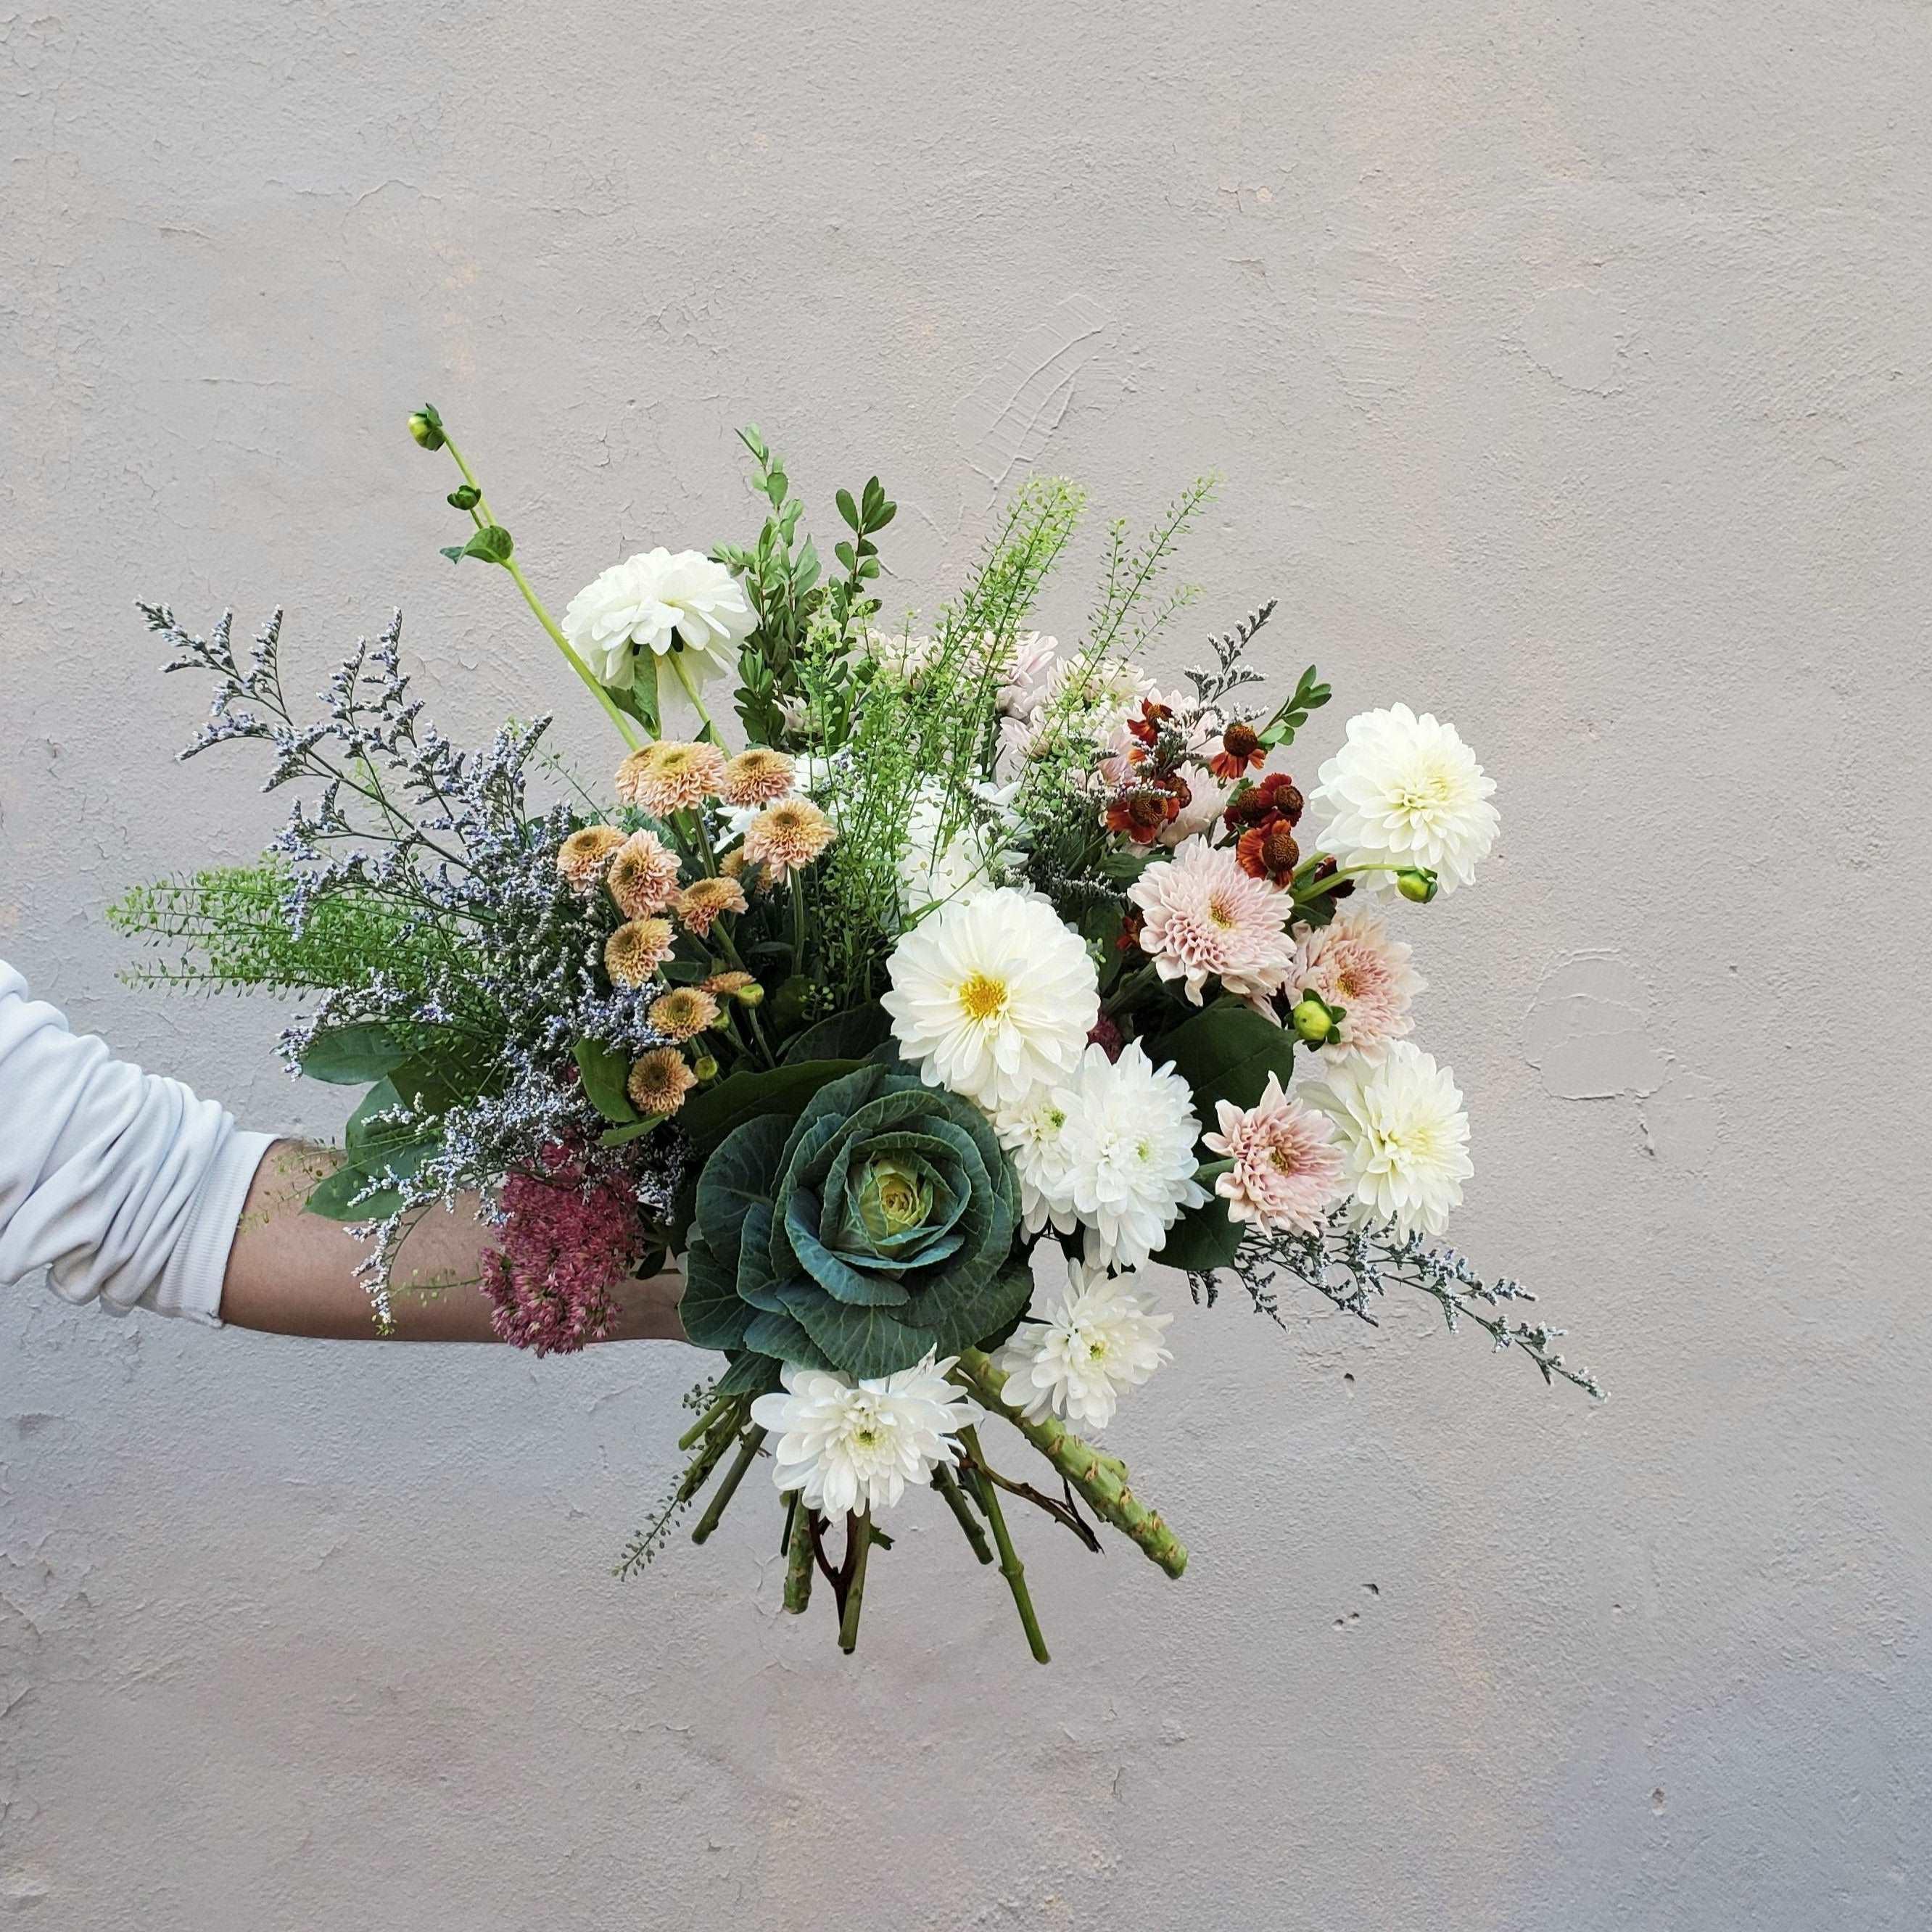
(292, 1273)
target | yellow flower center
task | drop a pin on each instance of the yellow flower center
(983, 998)
(1221, 913)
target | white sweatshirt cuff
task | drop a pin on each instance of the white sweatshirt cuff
(191, 1283)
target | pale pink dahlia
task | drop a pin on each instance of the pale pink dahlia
(1354, 965)
(1206, 919)
(1288, 1169)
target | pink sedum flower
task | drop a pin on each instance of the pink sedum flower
(567, 1242)
(1288, 1170)
(1206, 918)
(1354, 965)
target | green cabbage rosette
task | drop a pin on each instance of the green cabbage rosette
(876, 1228)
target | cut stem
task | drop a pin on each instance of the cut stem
(1101, 1478)
(858, 1547)
(799, 1558)
(748, 1451)
(685, 678)
(702, 1426)
(1011, 1568)
(947, 1484)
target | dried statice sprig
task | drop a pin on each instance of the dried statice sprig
(502, 962)
(1351, 1265)
(1231, 672)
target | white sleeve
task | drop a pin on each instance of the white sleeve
(124, 1186)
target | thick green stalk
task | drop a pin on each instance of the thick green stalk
(748, 1451)
(1101, 1478)
(685, 678)
(708, 1458)
(947, 1484)
(1011, 1568)
(859, 1547)
(799, 1559)
(702, 1426)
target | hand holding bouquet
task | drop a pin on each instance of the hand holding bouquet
(974, 949)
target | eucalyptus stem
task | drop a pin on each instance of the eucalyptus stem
(748, 1451)
(1101, 1478)
(798, 1558)
(947, 1484)
(1011, 1568)
(858, 1548)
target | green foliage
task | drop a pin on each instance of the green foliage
(710, 1116)
(225, 929)
(876, 1228)
(606, 1072)
(1226, 1052)
(355, 1054)
(377, 1148)
(1310, 695)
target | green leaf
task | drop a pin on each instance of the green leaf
(997, 1304)
(848, 509)
(749, 1374)
(348, 1056)
(1203, 1239)
(605, 1070)
(454, 552)
(713, 1315)
(847, 1036)
(1226, 1052)
(634, 1130)
(491, 544)
(864, 1341)
(780, 1336)
(739, 1176)
(709, 1116)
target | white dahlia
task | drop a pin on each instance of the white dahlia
(992, 995)
(1405, 790)
(1038, 1131)
(655, 601)
(1404, 1137)
(1206, 918)
(855, 1446)
(1076, 1356)
(1132, 1140)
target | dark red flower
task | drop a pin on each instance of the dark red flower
(1107, 1036)
(1325, 868)
(1276, 796)
(1148, 726)
(1241, 750)
(1131, 929)
(1269, 852)
(1142, 811)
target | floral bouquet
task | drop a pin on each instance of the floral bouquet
(974, 949)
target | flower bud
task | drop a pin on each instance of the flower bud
(1416, 884)
(426, 426)
(753, 995)
(1314, 1019)
(705, 1067)
(464, 496)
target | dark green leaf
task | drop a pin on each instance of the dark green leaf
(348, 1056)
(491, 544)
(848, 509)
(738, 1176)
(1226, 1052)
(847, 1036)
(605, 1070)
(1203, 1239)
(634, 1130)
(709, 1116)
(713, 1315)
(749, 1374)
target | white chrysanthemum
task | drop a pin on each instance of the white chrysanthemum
(1038, 1131)
(1132, 1139)
(1405, 790)
(653, 601)
(856, 1446)
(1403, 1134)
(1032, 665)
(904, 658)
(992, 995)
(1076, 1356)
(973, 858)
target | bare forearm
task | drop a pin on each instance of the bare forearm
(292, 1273)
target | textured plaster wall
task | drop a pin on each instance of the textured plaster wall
(1568, 368)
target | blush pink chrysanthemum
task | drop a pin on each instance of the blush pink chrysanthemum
(1205, 919)
(786, 837)
(670, 776)
(759, 776)
(642, 876)
(1287, 1171)
(1354, 965)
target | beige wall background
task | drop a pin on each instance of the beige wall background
(1568, 369)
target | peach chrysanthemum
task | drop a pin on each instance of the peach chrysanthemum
(1287, 1168)
(684, 1012)
(659, 1081)
(670, 776)
(643, 878)
(1354, 965)
(1206, 918)
(727, 986)
(634, 952)
(701, 902)
(756, 777)
(582, 857)
(786, 836)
